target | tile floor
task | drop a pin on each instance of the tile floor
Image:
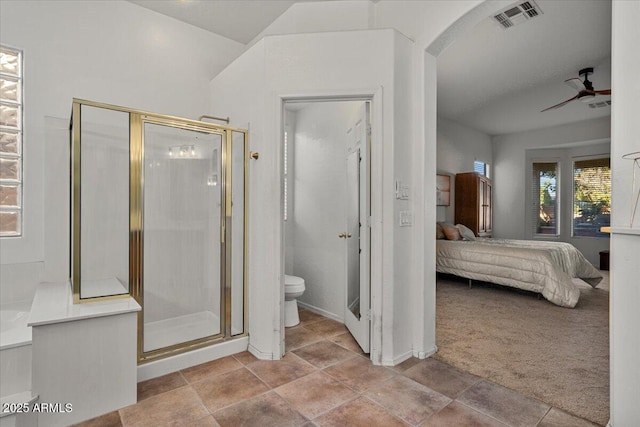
(325, 380)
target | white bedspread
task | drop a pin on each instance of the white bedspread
(538, 266)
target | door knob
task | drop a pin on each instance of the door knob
(342, 235)
(348, 235)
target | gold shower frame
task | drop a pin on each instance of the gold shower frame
(137, 119)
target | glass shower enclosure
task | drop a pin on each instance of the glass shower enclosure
(158, 213)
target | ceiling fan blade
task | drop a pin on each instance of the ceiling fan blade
(560, 104)
(575, 83)
(600, 92)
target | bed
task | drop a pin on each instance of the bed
(538, 266)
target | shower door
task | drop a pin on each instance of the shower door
(183, 216)
(159, 213)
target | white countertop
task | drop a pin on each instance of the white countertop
(53, 303)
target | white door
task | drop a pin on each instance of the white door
(358, 230)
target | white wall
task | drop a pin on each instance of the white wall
(402, 152)
(318, 204)
(106, 51)
(458, 147)
(357, 62)
(238, 92)
(509, 168)
(625, 241)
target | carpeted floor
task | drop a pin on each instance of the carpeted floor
(558, 355)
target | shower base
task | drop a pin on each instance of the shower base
(176, 330)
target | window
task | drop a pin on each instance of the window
(10, 142)
(591, 196)
(481, 167)
(545, 198)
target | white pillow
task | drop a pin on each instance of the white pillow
(466, 232)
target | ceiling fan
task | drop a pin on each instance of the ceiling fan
(585, 89)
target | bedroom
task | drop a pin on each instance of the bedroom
(491, 115)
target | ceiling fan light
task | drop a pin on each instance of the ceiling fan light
(587, 97)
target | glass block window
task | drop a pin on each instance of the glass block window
(10, 142)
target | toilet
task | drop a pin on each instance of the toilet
(293, 289)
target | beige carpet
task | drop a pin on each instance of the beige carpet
(558, 355)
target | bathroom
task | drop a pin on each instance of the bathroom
(325, 210)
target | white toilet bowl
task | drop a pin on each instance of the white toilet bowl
(293, 289)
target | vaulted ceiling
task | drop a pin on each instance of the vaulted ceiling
(493, 79)
(239, 20)
(498, 80)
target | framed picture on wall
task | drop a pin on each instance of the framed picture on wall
(443, 190)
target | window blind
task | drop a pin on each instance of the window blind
(591, 196)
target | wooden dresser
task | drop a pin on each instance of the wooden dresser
(473, 202)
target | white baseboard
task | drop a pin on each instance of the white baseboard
(424, 354)
(175, 363)
(320, 311)
(261, 355)
(398, 359)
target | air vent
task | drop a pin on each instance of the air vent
(517, 14)
(600, 104)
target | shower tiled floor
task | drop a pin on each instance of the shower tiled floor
(325, 380)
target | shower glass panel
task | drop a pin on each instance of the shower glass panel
(238, 159)
(182, 217)
(104, 202)
(159, 213)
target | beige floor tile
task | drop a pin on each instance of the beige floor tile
(409, 363)
(278, 372)
(111, 419)
(308, 316)
(456, 414)
(327, 328)
(299, 336)
(503, 404)
(359, 373)
(315, 394)
(558, 418)
(360, 412)
(323, 353)
(267, 410)
(439, 376)
(407, 399)
(245, 357)
(229, 388)
(347, 341)
(215, 367)
(179, 404)
(159, 385)
(207, 421)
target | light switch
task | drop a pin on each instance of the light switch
(402, 190)
(406, 218)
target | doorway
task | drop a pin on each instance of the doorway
(327, 208)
